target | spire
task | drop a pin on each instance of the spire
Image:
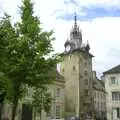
(75, 18)
(87, 46)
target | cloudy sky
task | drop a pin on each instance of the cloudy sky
(99, 21)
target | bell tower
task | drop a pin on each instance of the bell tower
(75, 41)
(75, 34)
(76, 67)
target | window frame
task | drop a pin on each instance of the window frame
(58, 92)
(86, 81)
(115, 96)
(113, 80)
(58, 111)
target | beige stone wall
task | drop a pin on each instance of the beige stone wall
(69, 68)
(75, 68)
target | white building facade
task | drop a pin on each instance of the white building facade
(112, 87)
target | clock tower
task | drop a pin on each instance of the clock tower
(76, 67)
(75, 38)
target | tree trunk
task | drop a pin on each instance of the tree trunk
(34, 113)
(40, 115)
(14, 109)
(1, 109)
(15, 98)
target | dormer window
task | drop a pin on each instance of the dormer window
(75, 32)
(113, 80)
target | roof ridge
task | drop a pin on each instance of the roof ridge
(115, 69)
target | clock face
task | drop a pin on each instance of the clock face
(68, 48)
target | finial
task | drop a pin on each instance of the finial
(87, 42)
(75, 18)
(88, 46)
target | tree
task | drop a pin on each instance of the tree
(11, 62)
(29, 64)
(3, 91)
(35, 45)
(42, 100)
(23, 50)
(7, 37)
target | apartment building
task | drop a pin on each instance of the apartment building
(111, 79)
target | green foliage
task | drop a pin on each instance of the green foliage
(42, 99)
(47, 102)
(7, 37)
(23, 51)
(35, 44)
(40, 41)
(8, 61)
(3, 87)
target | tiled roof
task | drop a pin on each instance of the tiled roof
(115, 69)
(99, 85)
(78, 50)
(102, 82)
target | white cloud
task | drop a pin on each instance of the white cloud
(102, 33)
(99, 3)
(11, 7)
(103, 36)
(69, 8)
